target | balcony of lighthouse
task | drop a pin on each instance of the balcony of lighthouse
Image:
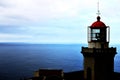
(98, 51)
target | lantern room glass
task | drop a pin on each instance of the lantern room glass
(99, 34)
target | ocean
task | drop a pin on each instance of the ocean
(19, 60)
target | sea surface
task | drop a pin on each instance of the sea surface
(18, 61)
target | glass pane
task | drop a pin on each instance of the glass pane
(95, 30)
(94, 38)
(93, 35)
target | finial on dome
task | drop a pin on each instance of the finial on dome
(98, 18)
(98, 11)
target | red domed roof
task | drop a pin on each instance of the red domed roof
(98, 24)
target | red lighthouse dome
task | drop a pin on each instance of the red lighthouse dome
(98, 24)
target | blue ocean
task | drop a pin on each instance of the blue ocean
(19, 61)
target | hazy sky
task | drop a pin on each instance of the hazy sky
(55, 21)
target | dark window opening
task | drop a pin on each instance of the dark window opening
(89, 74)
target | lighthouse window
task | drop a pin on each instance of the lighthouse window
(96, 31)
(95, 34)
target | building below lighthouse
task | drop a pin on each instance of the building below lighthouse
(98, 56)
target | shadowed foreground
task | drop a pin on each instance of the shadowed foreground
(59, 75)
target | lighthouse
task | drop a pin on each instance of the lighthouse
(98, 56)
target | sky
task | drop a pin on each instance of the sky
(55, 21)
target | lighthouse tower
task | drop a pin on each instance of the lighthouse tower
(98, 56)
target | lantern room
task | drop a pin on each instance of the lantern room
(98, 33)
